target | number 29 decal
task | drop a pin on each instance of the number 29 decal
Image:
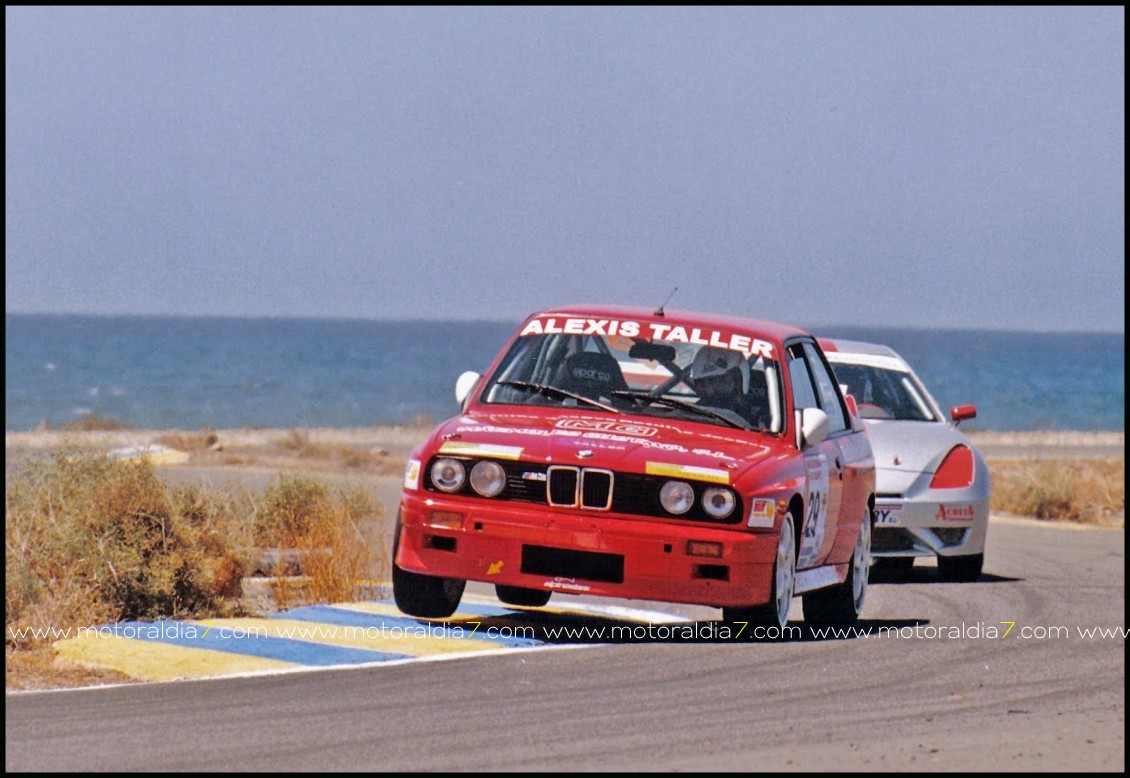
(815, 509)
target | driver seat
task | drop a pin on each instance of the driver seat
(593, 374)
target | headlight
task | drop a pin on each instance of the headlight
(676, 497)
(448, 475)
(488, 478)
(718, 502)
(956, 470)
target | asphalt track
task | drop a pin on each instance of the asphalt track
(944, 688)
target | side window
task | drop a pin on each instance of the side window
(829, 396)
(804, 393)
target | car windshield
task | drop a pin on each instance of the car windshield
(658, 378)
(883, 393)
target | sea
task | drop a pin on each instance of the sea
(191, 373)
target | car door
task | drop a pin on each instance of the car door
(812, 386)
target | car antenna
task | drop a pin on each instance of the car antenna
(659, 311)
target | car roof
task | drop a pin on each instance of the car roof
(875, 354)
(773, 329)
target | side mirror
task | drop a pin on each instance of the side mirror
(960, 413)
(812, 428)
(464, 384)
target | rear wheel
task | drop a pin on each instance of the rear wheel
(774, 613)
(520, 595)
(961, 569)
(841, 605)
(424, 596)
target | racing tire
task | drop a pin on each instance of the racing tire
(520, 595)
(423, 596)
(775, 613)
(891, 569)
(960, 569)
(840, 605)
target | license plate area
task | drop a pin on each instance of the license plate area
(569, 563)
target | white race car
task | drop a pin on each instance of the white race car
(931, 482)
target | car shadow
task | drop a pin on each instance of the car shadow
(863, 628)
(930, 575)
(572, 628)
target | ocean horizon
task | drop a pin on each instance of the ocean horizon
(209, 372)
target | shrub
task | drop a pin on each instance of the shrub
(91, 540)
(323, 532)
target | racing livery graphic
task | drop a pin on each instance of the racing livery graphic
(667, 456)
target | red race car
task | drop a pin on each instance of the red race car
(655, 455)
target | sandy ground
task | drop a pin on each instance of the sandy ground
(399, 440)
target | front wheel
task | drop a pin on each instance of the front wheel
(961, 569)
(775, 613)
(841, 605)
(423, 596)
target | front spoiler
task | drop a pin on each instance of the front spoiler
(576, 552)
(912, 528)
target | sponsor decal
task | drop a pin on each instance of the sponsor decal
(816, 510)
(955, 513)
(762, 511)
(870, 360)
(642, 430)
(887, 515)
(596, 434)
(566, 584)
(592, 374)
(480, 450)
(412, 474)
(674, 333)
(688, 471)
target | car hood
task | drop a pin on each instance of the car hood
(905, 449)
(599, 440)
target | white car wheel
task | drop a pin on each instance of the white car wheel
(775, 613)
(841, 605)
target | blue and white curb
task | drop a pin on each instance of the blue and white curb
(349, 634)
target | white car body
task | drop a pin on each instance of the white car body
(920, 512)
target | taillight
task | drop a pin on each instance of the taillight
(956, 470)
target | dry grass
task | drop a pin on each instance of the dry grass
(300, 443)
(188, 441)
(92, 422)
(1088, 491)
(92, 540)
(30, 669)
(321, 531)
(296, 450)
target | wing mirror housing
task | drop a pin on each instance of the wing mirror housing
(463, 386)
(960, 413)
(812, 427)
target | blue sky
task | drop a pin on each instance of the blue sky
(926, 167)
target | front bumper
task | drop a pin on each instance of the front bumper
(577, 552)
(911, 528)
